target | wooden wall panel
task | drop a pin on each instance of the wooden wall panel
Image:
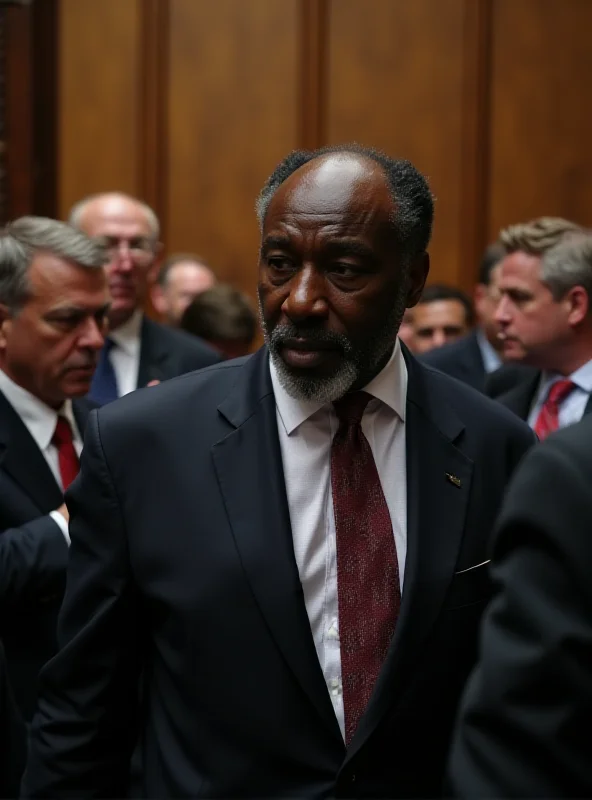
(541, 116)
(232, 115)
(99, 131)
(395, 81)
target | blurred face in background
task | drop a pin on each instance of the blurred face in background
(406, 329)
(438, 323)
(122, 226)
(533, 325)
(184, 281)
(487, 297)
(50, 345)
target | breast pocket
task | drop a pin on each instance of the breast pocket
(468, 587)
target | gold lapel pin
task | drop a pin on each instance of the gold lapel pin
(453, 479)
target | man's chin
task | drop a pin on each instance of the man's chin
(319, 384)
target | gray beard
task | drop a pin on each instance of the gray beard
(357, 364)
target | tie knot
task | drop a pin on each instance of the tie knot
(350, 408)
(559, 391)
(63, 432)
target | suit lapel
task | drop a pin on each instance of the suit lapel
(153, 354)
(588, 409)
(438, 486)
(21, 458)
(248, 464)
(519, 399)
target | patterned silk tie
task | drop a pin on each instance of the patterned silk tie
(548, 418)
(368, 588)
(67, 456)
(103, 388)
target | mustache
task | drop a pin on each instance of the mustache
(314, 335)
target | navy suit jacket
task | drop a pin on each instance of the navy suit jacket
(182, 570)
(461, 359)
(33, 552)
(166, 353)
(524, 730)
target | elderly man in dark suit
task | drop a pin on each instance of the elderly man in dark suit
(138, 350)
(53, 303)
(289, 548)
(524, 730)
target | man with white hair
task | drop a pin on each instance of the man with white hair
(138, 350)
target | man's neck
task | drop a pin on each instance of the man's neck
(567, 361)
(117, 321)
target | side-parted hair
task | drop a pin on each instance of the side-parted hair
(414, 203)
(569, 264)
(537, 236)
(22, 239)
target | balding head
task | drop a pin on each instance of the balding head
(128, 228)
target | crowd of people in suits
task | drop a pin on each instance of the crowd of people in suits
(340, 566)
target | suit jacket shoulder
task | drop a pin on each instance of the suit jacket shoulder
(461, 359)
(527, 706)
(166, 353)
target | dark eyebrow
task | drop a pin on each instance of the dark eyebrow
(350, 247)
(273, 242)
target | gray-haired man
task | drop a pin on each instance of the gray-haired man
(53, 303)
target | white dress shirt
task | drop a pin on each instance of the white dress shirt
(573, 406)
(306, 430)
(491, 358)
(125, 354)
(40, 420)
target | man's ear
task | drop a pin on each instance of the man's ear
(5, 325)
(157, 297)
(418, 273)
(156, 264)
(578, 304)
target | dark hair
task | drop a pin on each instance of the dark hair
(175, 259)
(221, 314)
(440, 291)
(492, 256)
(414, 204)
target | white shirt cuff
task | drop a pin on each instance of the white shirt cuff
(63, 525)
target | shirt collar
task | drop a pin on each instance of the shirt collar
(127, 336)
(39, 419)
(582, 378)
(491, 359)
(389, 386)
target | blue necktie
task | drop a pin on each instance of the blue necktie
(103, 388)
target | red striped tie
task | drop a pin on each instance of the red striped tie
(548, 418)
(67, 456)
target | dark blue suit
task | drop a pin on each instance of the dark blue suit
(461, 359)
(182, 569)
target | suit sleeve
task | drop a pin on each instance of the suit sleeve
(524, 725)
(85, 727)
(33, 561)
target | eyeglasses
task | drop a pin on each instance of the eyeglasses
(141, 248)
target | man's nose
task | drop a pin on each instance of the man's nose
(439, 338)
(92, 336)
(122, 258)
(501, 315)
(307, 296)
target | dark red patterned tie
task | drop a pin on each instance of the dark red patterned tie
(68, 458)
(548, 418)
(367, 568)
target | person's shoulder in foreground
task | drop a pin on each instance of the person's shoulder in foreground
(524, 726)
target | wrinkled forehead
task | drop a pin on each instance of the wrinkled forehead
(116, 218)
(331, 190)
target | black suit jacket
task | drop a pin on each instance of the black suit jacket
(33, 552)
(525, 724)
(182, 565)
(12, 737)
(166, 353)
(461, 359)
(520, 397)
(508, 376)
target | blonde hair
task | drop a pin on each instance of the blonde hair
(537, 236)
